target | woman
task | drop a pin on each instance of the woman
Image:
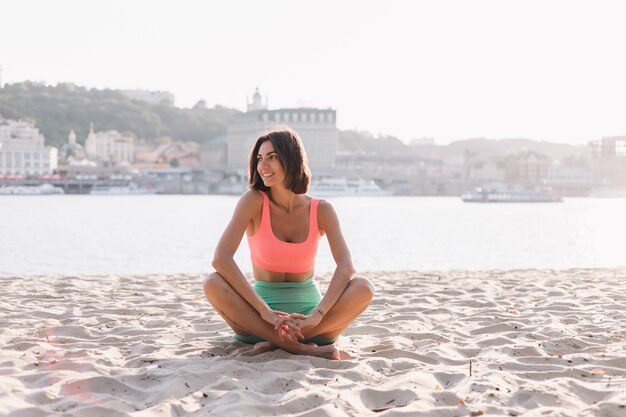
(283, 226)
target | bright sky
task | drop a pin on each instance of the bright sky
(442, 69)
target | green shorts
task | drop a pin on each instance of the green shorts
(290, 297)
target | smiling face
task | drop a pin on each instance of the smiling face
(268, 165)
(278, 159)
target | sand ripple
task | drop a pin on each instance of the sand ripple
(537, 343)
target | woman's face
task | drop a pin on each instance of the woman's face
(269, 166)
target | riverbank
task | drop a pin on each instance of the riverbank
(433, 344)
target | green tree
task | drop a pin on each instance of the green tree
(59, 109)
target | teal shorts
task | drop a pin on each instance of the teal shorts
(290, 297)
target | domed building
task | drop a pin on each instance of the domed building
(72, 153)
(317, 127)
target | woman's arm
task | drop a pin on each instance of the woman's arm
(223, 259)
(344, 272)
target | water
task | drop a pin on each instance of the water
(79, 234)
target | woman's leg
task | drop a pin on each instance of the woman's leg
(352, 302)
(245, 320)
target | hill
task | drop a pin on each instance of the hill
(56, 110)
(364, 143)
(505, 146)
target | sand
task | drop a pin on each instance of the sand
(456, 343)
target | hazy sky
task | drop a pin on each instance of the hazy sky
(448, 70)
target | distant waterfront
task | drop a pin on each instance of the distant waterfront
(78, 234)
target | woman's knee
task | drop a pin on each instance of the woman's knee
(213, 283)
(363, 287)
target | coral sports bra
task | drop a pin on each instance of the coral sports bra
(272, 254)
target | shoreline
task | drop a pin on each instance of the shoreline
(534, 341)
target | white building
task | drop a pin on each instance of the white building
(109, 146)
(608, 161)
(23, 152)
(569, 180)
(485, 168)
(316, 127)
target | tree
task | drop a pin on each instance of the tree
(200, 105)
(59, 109)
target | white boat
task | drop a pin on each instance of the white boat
(335, 187)
(130, 189)
(608, 193)
(487, 195)
(43, 189)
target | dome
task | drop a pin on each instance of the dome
(71, 152)
(257, 104)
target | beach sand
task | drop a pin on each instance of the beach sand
(455, 343)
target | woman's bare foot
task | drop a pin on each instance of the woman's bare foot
(262, 347)
(343, 355)
(328, 352)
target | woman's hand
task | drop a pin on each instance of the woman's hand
(307, 322)
(284, 324)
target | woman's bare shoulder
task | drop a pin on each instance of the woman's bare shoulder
(324, 207)
(326, 214)
(250, 201)
(252, 196)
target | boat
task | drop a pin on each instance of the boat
(608, 193)
(130, 189)
(336, 187)
(500, 195)
(43, 189)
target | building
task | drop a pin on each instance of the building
(608, 161)
(213, 152)
(177, 154)
(381, 167)
(485, 168)
(523, 167)
(569, 180)
(316, 127)
(152, 97)
(109, 146)
(23, 150)
(145, 154)
(71, 152)
(614, 146)
(527, 167)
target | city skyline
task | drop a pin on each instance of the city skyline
(447, 71)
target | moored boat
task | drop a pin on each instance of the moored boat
(130, 189)
(43, 189)
(336, 187)
(486, 195)
(608, 193)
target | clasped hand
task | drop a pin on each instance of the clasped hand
(292, 325)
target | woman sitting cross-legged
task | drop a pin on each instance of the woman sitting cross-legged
(283, 224)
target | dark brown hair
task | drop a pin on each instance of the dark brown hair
(291, 156)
